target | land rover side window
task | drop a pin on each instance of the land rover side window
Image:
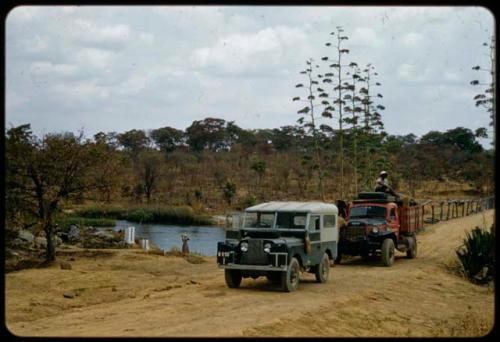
(368, 211)
(314, 223)
(259, 220)
(329, 221)
(291, 220)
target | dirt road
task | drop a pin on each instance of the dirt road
(130, 293)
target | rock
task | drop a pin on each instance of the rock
(26, 236)
(58, 241)
(41, 242)
(20, 243)
(73, 233)
(66, 265)
(69, 294)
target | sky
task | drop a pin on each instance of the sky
(117, 68)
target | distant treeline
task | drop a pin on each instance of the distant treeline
(214, 166)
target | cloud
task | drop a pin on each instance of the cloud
(412, 39)
(85, 31)
(96, 58)
(147, 37)
(237, 53)
(82, 91)
(365, 36)
(412, 72)
(48, 68)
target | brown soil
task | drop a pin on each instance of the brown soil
(130, 293)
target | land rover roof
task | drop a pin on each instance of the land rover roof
(304, 207)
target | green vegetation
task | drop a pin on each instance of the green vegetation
(477, 255)
(182, 215)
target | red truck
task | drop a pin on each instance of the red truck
(380, 223)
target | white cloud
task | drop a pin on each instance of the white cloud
(365, 36)
(88, 31)
(83, 91)
(48, 68)
(147, 37)
(412, 39)
(239, 52)
(411, 72)
(97, 58)
(35, 44)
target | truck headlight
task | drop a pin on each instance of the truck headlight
(244, 246)
(267, 247)
(375, 229)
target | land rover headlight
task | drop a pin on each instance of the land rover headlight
(375, 229)
(244, 246)
(267, 247)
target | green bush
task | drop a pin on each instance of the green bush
(477, 255)
(167, 215)
(101, 212)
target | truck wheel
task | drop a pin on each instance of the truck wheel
(290, 278)
(322, 270)
(233, 278)
(411, 252)
(388, 252)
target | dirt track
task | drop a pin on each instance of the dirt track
(129, 293)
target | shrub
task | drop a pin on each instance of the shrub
(101, 212)
(477, 255)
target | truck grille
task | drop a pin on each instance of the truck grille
(255, 254)
(354, 232)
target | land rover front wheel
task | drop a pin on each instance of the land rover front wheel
(323, 269)
(233, 278)
(388, 252)
(290, 278)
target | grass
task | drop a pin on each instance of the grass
(183, 215)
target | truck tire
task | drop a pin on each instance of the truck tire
(290, 278)
(233, 278)
(411, 252)
(388, 252)
(322, 270)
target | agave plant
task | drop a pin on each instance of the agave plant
(477, 255)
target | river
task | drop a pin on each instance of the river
(202, 239)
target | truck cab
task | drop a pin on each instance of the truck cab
(374, 226)
(278, 240)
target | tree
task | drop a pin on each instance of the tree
(167, 138)
(229, 191)
(487, 98)
(149, 172)
(308, 119)
(338, 88)
(44, 172)
(209, 133)
(133, 140)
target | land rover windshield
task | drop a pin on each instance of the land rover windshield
(287, 220)
(367, 212)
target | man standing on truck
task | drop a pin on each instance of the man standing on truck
(383, 184)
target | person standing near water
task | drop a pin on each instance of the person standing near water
(185, 247)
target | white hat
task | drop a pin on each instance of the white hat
(383, 173)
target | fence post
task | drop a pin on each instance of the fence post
(432, 210)
(463, 208)
(441, 211)
(448, 212)
(467, 209)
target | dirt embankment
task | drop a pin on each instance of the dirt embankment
(131, 293)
